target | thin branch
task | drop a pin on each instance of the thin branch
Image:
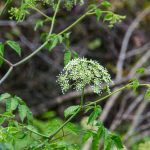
(126, 39)
(6, 75)
(118, 90)
(139, 64)
(82, 97)
(45, 43)
(53, 20)
(39, 11)
(73, 24)
(37, 133)
(137, 51)
(31, 55)
(62, 126)
(136, 121)
(6, 61)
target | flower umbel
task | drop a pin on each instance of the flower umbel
(81, 72)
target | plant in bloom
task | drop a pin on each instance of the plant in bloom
(81, 72)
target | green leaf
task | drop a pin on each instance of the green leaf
(117, 141)
(106, 4)
(140, 70)
(67, 57)
(87, 135)
(32, 128)
(108, 144)
(147, 94)
(4, 96)
(53, 43)
(60, 39)
(93, 116)
(11, 104)
(2, 119)
(96, 137)
(92, 6)
(15, 46)
(8, 114)
(71, 110)
(39, 23)
(22, 111)
(70, 127)
(135, 84)
(14, 104)
(1, 49)
(8, 105)
(95, 143)
(107, 140)
(98, 13)
(88, 108)
(29, 116)
(75, 54)
(1, 53)
(108, 16)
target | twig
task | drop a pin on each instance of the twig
(140, 63)
(118, 117)
(124, 46)
(138, 50)
(45, 43)
(6, 75)
(33, 53)
(70, 118)
(136, 120)
(132, 106)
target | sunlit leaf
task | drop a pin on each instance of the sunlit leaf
(4, 96)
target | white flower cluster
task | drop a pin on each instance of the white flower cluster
(81, 72)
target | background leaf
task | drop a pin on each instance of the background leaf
(15, 46)
(140, 70)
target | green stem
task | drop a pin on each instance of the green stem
(43, 14)
(37, 133)
(53, 20)
(62, 126)
(82, 97)
(73, 24)
(44, 44)
(31, 55)
(118, 90)
(3, 115)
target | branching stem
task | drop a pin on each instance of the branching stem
(62, 126)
